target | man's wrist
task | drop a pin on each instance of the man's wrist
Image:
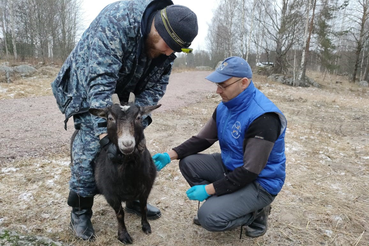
(210, 189)
(172, 154)
(101, 136)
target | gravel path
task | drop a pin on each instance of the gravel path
(32, 127)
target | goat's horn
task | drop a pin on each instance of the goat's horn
(131, 98)
(115, 98)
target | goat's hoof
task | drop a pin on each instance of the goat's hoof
(125, 238)
(146, 229)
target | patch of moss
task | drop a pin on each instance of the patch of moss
(14, 239)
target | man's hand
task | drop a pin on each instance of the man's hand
(109, 147)
(161, 160)
(197, 192)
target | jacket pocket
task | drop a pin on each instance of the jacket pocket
(76, 105)
(60, 88)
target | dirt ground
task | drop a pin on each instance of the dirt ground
(324, 200)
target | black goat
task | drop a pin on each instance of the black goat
(130, 175)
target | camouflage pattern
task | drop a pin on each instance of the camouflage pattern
(85, 147)
(109, 58)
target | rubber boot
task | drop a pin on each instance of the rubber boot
(153, 213)
(196, 221)
(80, 217)
(260, 224)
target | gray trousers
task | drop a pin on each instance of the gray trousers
(226, 212)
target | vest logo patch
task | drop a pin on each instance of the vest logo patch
(236, 130)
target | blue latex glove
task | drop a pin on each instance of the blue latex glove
(161, 160)
(197, 192)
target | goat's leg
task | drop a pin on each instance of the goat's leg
(123, 234)
(145, 224)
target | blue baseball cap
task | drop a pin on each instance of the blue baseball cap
(233, 66)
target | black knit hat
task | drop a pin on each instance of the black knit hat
(177, 25)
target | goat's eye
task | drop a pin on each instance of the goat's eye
(138, 117)
(110, 118)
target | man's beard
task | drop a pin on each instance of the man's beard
(150, 42)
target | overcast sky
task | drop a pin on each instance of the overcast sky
(203, 9)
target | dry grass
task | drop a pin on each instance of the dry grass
(35, 86)
(323, 202)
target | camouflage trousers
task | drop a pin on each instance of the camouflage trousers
(84, 149)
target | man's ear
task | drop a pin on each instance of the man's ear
(245, 83)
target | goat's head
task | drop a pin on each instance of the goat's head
(124, 124)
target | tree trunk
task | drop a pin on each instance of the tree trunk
(250, 32)
(4, 25)
(12, 24)
(357, 59)
(359, 46)
(305, 51)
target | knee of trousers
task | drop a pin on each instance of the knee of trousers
(186, 171)
(185, 166)
(212, 223)
(85, 147)
(210, 220)
(82, 180)
(182, 164)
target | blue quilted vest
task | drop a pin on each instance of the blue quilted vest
(234, 118)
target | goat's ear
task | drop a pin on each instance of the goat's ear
(115, 99)
(132, 98)
(149, 109)
(98, 112)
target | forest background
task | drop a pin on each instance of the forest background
(328, 36)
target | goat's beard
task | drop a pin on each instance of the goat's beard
(151, 40)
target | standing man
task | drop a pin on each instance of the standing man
(129, 47)
(241, 182)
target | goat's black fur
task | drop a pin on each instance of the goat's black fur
(127, 177)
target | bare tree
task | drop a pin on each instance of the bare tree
(361, 35)
(69, 11)
(216, 35)
(287, 34)
(12, 28)
(3, 18)
(222, 34)
(364, 61)
(365, 70)
(41, 28)
(247, 35)
(306, 46)
(281, 21)
(262, 44)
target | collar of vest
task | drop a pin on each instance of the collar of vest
(243, 100)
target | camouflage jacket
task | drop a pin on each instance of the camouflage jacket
(110, 58)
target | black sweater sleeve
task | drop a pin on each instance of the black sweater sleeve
(258, 143)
